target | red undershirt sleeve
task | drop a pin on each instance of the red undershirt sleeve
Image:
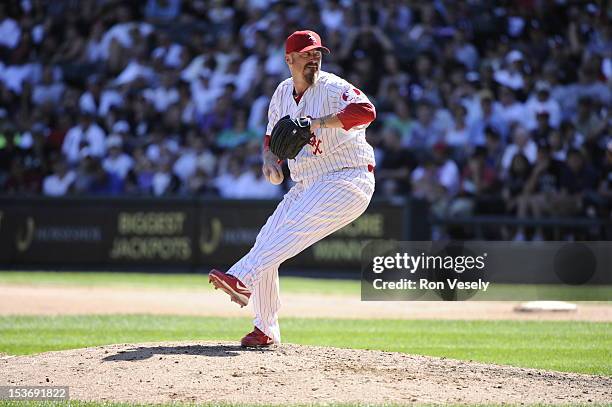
(266, 142)
(356, 114)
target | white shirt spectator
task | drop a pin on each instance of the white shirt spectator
(258, 116)
(513, 113)
(195, 68)
(275, 64)
(10, 33)
(38, 33)
(133, 71)
(93, 135)
(533, 106)
(530, 151)
(121, 127)
(249, 186)
(246, 75)
(161, 182)
(227, 186)
(54, 185)
(171, 55)
(13, 76)
(222, 78)
(204, 96)
(511, 79)
(188, 162)
(108, 99)
(468, 55)
(447, 176)
(458, 137)
(154, 151)
(332, 18)
(121, 33)
(119, 165)
(161, 97)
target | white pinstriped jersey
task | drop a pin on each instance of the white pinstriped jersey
(331, 149)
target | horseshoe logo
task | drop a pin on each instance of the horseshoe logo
(24, 242)
(210, 237)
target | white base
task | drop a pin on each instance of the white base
(546, 306)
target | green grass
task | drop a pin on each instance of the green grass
(167, 281)
(584, 347)
(177, 281)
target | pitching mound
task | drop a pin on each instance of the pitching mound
(222, 372)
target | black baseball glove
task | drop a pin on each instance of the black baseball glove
(289, 136)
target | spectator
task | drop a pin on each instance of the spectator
(464, 51)
(478, 185)
(425, 131)
(10, 32)
(201, 183)
(49, 90)
(514, 184)
(437, 180)
(494, 148)
(401, 121)
(486, 117)
(117, 162)
(196, 157)
(558, 146)
(128, 73)
(60, 181)
(521, 143)
(227, 181)
(394, 169)
(578, 183)
(542, 102)
(512, 75)
(164, 95)
(587, 122)
(541, 192)
(98, 101)
(458, 137)
(86, 133)
(164, 182)
(104, 183)
(511, 111)
(251, 184)
(542, 131)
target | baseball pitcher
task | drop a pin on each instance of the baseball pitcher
(317, 122)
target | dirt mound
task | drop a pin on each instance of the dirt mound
(223, 372)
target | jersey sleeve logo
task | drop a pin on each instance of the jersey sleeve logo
(351, 95)
(316, 143)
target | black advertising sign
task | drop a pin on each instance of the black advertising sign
(188, 233)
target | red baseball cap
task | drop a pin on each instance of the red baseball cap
(302, 41)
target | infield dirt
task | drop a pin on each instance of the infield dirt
(62, 300)
(222, 372)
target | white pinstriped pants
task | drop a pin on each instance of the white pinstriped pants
(310, 211)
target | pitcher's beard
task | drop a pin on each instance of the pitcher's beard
(311, 76)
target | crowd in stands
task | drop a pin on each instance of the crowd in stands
(482, 106)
